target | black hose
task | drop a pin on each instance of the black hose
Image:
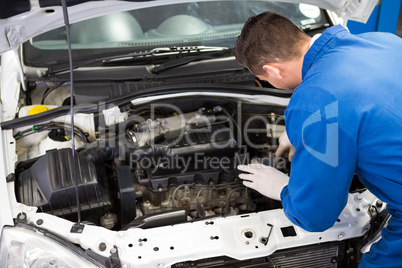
(100, 152)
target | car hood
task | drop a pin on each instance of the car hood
(25, 19)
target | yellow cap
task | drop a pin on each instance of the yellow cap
(38, 109)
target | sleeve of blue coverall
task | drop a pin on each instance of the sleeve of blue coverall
(321, 170)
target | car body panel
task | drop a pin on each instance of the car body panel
(165, 246)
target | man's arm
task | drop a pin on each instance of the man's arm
(321, 171)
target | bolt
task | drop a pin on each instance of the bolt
(160, 265)
(378, 203)
(120, 234)
(102, 246)
(247, 242)
(21, 217)
(341, 235)
(358, 198)
(113, 250)
(39, 222)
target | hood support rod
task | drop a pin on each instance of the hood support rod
(74, 168)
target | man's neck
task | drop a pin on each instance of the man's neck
(305, 48)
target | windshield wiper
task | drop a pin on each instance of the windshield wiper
(183, 61)
(161, 51)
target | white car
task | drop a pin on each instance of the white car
(130, 160)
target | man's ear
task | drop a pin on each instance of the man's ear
(273, 70)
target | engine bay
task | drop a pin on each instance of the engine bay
(148, 164)
(153, 166)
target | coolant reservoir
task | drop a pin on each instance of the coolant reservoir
(34, 109)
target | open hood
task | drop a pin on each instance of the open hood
(24, 19)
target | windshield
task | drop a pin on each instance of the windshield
(204, 23)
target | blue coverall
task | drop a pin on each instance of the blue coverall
(346, 118)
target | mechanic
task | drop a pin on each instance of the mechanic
(344, 118)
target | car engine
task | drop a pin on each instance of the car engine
(162, 163)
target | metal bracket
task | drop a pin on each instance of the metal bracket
(112, 261)
(77, 228)
(21, 218)
(16, 37)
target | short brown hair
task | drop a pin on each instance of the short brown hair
(268, 38)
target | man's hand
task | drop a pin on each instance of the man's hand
(264, 179)
(284, 148)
